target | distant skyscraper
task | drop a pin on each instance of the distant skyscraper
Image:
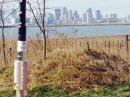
(113, 18)
(128, 16)
(64, 14)
(50, 19)
(57, 14)
(84, 17)
(90, 15)
(70, 15)
(64, 10)
(76, 16)
(98, 15)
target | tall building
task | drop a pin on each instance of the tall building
(128, 16)
(50, 19)
(57, 14)
(84, 19)
(98, 15)
(64, 14)
(70, 15)
(90, 15)
(113, 18)
(76, 16)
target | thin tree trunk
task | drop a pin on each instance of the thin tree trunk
(3, 36)
(44, 30)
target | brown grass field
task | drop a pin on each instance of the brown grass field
(73, 64)
(110, 44)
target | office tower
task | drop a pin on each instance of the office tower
(76, 16)
(57, 14)
(113, 17)
(50, 19)
(70, 15)
(106, 16)
(84, 19)
(128, 16)
(98, 15)
(90, 15)
(64, 14)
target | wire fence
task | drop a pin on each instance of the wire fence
(117, 45)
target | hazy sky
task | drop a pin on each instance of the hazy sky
(121, 7)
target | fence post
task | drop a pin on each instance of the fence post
(127, 46)
(88, 46)
(80, 44)
(109, 46)
(104, 45)
(56, 42)
(118, 47)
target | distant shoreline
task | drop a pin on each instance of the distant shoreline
(68, 25)
(87, 25)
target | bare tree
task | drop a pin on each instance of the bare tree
(44, 30)
(3, 36)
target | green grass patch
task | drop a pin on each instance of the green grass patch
(115, 91)
(7, 93)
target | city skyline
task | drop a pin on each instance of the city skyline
(120, 7)
(83, 11)
(65, 15)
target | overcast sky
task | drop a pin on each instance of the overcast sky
(121, 7)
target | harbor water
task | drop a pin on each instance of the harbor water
(71, 31)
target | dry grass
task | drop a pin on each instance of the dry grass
(70, 65)
(79, 69)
